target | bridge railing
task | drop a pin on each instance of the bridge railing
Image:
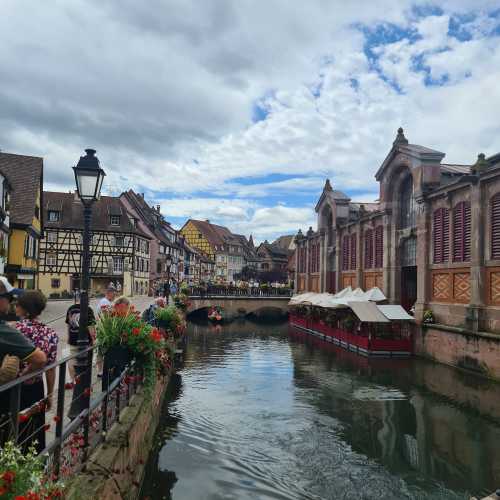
(79, 418)
(233, 291)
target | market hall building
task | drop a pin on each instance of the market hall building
(432, 240)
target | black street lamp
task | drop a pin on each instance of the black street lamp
(88, 176)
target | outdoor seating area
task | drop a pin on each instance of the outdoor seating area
(356, 320)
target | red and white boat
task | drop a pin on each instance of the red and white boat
(353, 319)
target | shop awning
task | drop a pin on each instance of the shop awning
(367, 312)
(394, 312)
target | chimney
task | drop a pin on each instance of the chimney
(142, 195)
(207, 221)
(158, 208)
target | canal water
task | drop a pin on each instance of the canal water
(258, 412)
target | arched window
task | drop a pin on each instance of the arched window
(495, 226)
(407, 204)
(353, 251)
(409, 252)
(441, 235)
(368, 249)
(379, 246)
(345, 253)
(461, 232)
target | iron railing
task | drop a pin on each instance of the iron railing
(69, 441)
(233, 291)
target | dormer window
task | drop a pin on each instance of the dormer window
(114, 220)
(53, 215)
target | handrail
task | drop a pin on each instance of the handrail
(87, 408)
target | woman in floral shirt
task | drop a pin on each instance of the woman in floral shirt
(29, 307)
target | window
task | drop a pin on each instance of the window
(379, 246)
(51, 259)
(353, 251)
(407, 204)
(345, 253)
(51, 236)
(495, 226)
(200, 236)
(158, 266)
(119, 241)
(441, 235)
(409, 252)
(118, 264)
(114, 220)
(55, 283)
(368, 249)
(37, 212)
(461, 232)
(53, 215)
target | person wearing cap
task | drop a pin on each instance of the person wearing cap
(13, 343)
(107, 300)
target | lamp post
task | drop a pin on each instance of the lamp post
(88, 176)
(168, 263)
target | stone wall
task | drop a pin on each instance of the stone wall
(115, 470)
(474, 351)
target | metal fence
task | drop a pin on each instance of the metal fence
(70, 436)
(233, 291)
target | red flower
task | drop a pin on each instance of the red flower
(155, 335)
(68, 385)
(23, 418)
(9, 476)
(136, 331)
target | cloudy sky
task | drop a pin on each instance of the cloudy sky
(237, 110)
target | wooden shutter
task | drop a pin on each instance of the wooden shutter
(495, 227)
(441, 235)
(368, 249)
(353, 251)
(461, 232)
(345, 253)
(379, 246)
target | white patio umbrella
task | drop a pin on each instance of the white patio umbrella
(375, 295)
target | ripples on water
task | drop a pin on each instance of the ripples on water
(255, 415)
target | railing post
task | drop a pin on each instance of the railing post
(118, 391)
(60, 418)
(105, 403)
(15, 403)
(87, 394)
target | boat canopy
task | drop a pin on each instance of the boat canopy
(362, 304)
(394, 312)
(367, 312)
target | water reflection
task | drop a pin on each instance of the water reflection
(261, 414)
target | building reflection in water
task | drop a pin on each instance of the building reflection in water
(411, 415)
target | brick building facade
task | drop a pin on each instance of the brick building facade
(432, 240)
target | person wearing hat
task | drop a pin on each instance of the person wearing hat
(107, 300)
(14, 346)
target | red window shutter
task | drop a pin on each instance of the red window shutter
(368, 249)
(441, 235)
(495, 227)
(461, 232)
(345, 253)
(379, 246)
(353, 251)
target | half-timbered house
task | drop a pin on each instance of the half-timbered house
(119, 248)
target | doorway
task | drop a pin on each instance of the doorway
(408, 286)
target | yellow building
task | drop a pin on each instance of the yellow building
(25, 175)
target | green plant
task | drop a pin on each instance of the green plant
(22, 476)
(184, 289)
(121, 325)
(54, 295)
(182, 301)
(428, 316)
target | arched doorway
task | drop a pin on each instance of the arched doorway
(408, 254)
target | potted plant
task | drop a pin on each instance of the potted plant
(22, 475)
(123, 336)
(428, 317)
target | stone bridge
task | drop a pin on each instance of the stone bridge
(240, 305)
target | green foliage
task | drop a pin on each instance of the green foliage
(23, 475)
(428, 316)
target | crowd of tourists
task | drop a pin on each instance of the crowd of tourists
(27, 345)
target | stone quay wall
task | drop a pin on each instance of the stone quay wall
(474, 351)
(115, 470)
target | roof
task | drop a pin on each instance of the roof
(284, 241)
(455, 169)
(25, 175)
(207, 230)
(329, 192)
(71, 213)
(275, 251)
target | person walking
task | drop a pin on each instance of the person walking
(73, 328)
(29, 307)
